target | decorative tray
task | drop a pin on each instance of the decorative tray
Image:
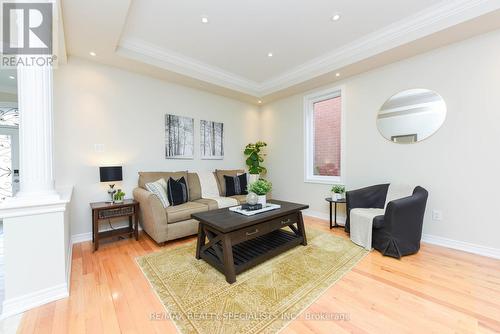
(267, 207)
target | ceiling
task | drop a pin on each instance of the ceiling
(240, 34)
(229, 54)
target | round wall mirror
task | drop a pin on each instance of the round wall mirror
(411, 116)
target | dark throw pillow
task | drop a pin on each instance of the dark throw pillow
(236, 185)
(177, 191)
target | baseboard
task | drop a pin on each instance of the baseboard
(87, 236)
(462, 246)
(82, 237)
(324, 216)
(23, 303)
(427, 238)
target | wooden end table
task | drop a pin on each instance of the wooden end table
(237, 242)
(335, 202)
(106, 210)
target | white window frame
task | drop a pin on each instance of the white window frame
(309, 101)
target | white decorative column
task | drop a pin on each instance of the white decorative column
(36, 133)
(38, 215)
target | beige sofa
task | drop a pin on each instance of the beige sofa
(164, 224)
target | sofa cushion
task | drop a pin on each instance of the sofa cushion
(236, 185)
(361, 225)
(183, 211)
(146, 177)
(219, 173)
(194, 186)
(177, 191)
(210, 203)
(242, 199)
(159, 188)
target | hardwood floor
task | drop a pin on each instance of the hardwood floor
(438, 290)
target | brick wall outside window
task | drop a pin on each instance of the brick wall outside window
(327, 121)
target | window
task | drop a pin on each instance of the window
(324, 136)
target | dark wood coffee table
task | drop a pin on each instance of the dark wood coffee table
(237, 242)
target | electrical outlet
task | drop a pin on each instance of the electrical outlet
(437, 215)
(99, 148)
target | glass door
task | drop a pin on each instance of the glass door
(6, 172)
(9, 150)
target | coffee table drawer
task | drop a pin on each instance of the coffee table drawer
(262, 228)
(250, 232)
(284, 221)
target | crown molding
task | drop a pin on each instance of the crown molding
(169, 60)
(436, 18)
(431, 20)
(59, 38)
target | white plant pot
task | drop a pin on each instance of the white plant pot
(252, 178)
(262, 200)
(336, 196)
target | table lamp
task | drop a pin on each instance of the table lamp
(111, 174)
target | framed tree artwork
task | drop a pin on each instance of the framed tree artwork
(179, 137)
(211, 140)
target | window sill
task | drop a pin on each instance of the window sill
(331, 180)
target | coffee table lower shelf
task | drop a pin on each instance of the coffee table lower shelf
(250, 253)
(233, 243)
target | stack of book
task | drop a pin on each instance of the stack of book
(251, 207)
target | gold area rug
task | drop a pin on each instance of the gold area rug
(263, 300)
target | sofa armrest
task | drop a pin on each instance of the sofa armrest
(404, 217)
(151, 214)
(378, 222)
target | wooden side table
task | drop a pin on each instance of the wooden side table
(330, 201)
(105, 210)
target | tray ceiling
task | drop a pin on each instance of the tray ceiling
(230, 53)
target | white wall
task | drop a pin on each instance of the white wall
(96, 104)
(459, 165)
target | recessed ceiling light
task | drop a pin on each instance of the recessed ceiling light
(204, 19)
(336, 17)
(12, 77)
(270, 54)
(259, 102)
(92, 53)
(337, 74)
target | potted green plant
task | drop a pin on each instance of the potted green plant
(255, 156)
(119, 196)
(261, 188)
(338, 192)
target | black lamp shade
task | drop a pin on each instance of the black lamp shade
(109, 174)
